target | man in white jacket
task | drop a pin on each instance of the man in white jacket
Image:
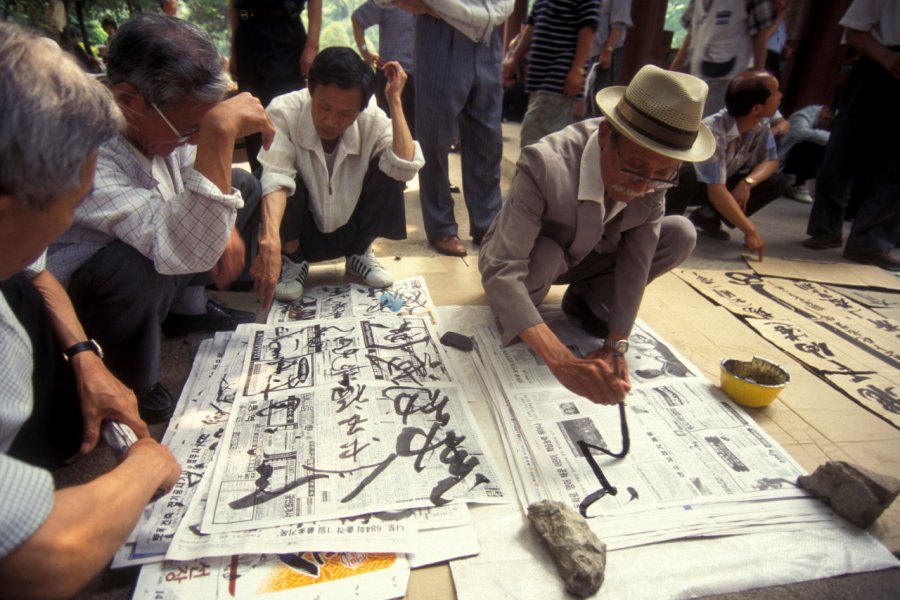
(333, 178)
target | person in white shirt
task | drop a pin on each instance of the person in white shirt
(53, 118)
(333, 178)
(162, 212)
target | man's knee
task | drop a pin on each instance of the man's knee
(677, 239)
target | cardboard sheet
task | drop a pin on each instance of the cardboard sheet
(827, 272)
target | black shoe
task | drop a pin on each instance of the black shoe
(157, 405)
(873, 257)
(476, 239)
(454, 189)
(709, 225)
(822, 242)
(217, 318)
(574, 305)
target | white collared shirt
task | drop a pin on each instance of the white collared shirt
(590, 178)
(297, 149)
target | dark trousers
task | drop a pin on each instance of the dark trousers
(121, 299)
(54, 430)
(803, 161)
(690, 192)
(379, 212)
(267, 64)
(407, 99)
(862, 155)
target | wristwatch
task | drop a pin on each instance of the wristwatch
(620, 346)
(750, 181)
(87, 345)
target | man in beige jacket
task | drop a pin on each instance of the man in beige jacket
(586, 209)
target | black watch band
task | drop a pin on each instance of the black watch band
(87, 345)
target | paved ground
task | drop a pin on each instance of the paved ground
(783, 223)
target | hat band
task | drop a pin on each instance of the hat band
(656, 130)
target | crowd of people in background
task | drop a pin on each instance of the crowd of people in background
(119, 205)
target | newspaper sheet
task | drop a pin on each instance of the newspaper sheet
(300, 356)
(407, 297)
(690, 447)
(348, 449)
(296, 575)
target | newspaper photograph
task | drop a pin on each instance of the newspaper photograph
(348, 449)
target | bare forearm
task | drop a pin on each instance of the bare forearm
(87, 524)
(214, 155)
(760, 50)
(65, 322)
(359, 34)
(614, 35)
(524, 44)
(763, 170)
(545, 344)
(314, 18)
(273, 206)
(402, 142)
(681, 56)
(583, 48)
(728, 207)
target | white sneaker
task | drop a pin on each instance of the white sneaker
(366, 267)
(293, 277)
(801, 194)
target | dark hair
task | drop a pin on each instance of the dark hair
(344, 68)
(167, 60)
(107, 22)
(746, 91)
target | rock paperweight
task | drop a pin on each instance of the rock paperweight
(858, 495)
(579, 554)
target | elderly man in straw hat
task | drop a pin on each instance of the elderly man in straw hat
(586, 209)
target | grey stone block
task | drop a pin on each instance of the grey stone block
(857, 494)
(579, 554)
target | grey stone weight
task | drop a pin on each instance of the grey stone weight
(858, 495)
(579, 554)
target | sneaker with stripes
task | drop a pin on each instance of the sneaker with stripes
(293, 277)
(366, 267)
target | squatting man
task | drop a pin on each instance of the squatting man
(586, 209)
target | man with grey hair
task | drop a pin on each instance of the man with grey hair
(163, 209)
(53, 118)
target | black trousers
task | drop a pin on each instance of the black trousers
(690, 192)
(379, 212)
(267, 63)
(55, 428)
(803, 161)
(121, 299)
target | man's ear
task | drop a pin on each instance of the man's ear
(126, 94)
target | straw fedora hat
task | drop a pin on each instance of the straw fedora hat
(662, 111)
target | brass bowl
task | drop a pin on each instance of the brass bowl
(756, 383)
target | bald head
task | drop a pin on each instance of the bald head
(750, 88)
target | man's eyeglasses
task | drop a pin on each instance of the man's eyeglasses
(649, 182)
(181, 137)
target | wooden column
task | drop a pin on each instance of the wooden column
(646, 43)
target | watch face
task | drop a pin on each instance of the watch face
(621, 346)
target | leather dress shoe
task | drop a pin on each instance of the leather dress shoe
(709, 224)
(575, 306)
(157, 405)
(449, 245)
(874, 257)
(822, 242)
(216, 318)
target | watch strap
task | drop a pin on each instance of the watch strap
(86, 345)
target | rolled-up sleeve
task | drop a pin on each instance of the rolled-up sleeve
(279, 161)
(183, 234)
(388, 162)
